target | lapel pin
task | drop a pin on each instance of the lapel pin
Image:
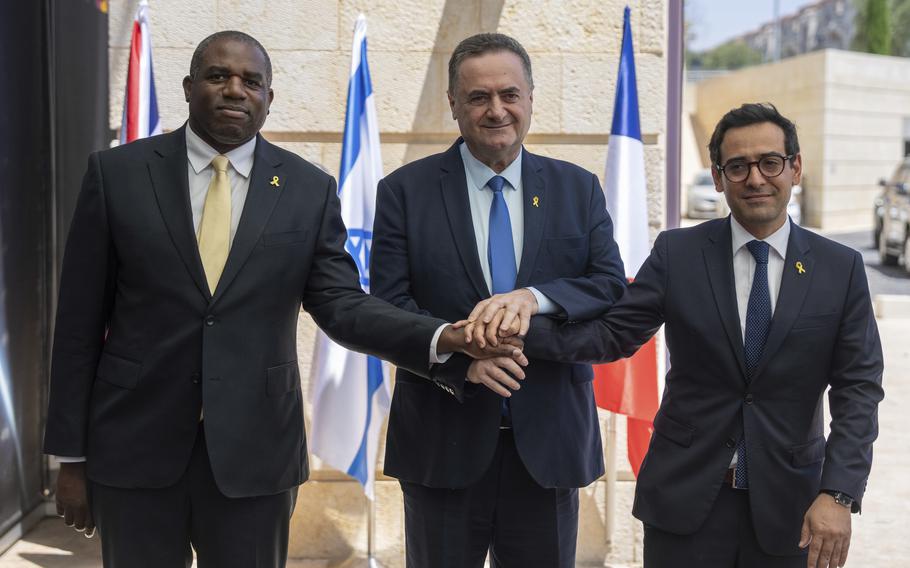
(799, 267)
(274, 181)
(536, 201)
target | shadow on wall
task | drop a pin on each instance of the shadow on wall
(455, 24)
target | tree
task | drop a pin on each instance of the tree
(900, 28)
(873, 27)
(730, 55)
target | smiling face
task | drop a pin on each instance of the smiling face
(492, 104)
(229, 97)
(759, 203)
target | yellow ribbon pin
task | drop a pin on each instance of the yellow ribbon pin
(274, 181)
(536, 201)
(799, 267)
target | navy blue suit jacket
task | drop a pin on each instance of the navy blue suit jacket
(424, 259)
(823, 334)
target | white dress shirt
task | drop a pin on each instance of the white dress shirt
(744, 270)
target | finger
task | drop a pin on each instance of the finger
(516, 328)
(468, 332)
(844, 550)
(815, 547)
(489, 312)
(479, 329)
(460, 324)
(805, 535)
(508, 317)
(520, 358)
(478, 309)
(504, 379)
(525, 320)
(511, 367)
(491, 334)
(495, 387)
(824, 556)
(835, 554)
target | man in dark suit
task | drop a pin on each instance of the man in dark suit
(175, 388)
(487, 464)
(762, 317)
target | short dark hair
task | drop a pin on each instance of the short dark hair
(196, 61)
(748, 114)
(480, 44)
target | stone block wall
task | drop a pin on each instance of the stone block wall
(574, 48)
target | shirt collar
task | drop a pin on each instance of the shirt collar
(481, 173)
(200, 154)
(777, 240)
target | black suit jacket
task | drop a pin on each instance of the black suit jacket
(424, 259)
(141, 345)
(823, 334)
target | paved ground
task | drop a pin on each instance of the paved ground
(879, 534)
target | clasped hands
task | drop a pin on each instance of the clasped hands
(493, 334)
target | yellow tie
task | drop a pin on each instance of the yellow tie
(215, 228)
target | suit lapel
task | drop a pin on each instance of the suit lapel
(168, 170)
(534, 190)
(794, 285)
(719, 265)
(454, 187)
(260, 201)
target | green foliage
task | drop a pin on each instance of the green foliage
(730, 55)
(873, 27)
(900, 28)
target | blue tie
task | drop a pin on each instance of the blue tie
(501, 254)
(500, 248)
(758, 322)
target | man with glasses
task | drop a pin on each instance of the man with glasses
(762, 316)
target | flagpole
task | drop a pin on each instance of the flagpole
(371, 528)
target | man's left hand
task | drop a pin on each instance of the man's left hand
(826, 531)
(517, 305)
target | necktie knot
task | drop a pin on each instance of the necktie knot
(759, 250)
(496, 183)
(220, 163)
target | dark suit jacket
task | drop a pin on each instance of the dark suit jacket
(823, 335)
(424, 259)
(141, 345)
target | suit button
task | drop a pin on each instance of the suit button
(730, 442)
(195, 377)
(749, 398)
(210, 321)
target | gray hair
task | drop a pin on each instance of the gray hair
(480, 44)
(196, 61)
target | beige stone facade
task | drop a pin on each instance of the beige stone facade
(574, 47)
(850, 110)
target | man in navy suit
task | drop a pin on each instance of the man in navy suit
(762, 317)
(490, 456)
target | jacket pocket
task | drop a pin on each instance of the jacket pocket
(282, 379)
(673, 430)
(808, 453)
(118, 371)
(559, 245)
(582, 373)
(284, 238)
(810, 321)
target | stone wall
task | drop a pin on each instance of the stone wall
(574, 47)
(849, 109)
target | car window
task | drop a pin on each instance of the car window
(704, 179)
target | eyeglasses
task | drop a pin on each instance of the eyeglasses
(769, 166)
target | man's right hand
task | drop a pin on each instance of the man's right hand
(499, 374)
(452, 339)
(72, 498)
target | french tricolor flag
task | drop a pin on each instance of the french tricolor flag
(140, 105)
(629, 386)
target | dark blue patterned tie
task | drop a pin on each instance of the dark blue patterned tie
(501, 251)
(758, 322)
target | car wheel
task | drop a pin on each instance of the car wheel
(877, 232)
(887, 259)
(907, 254)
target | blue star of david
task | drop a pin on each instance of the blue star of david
(358, 246)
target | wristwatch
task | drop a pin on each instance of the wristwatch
(840, 498)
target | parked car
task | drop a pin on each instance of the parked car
(702, 198)
(895, 217)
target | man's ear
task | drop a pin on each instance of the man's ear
(718, 182)
(451, 104)
(187, 87)
(797, 165)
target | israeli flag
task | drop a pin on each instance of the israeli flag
(350, 391)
